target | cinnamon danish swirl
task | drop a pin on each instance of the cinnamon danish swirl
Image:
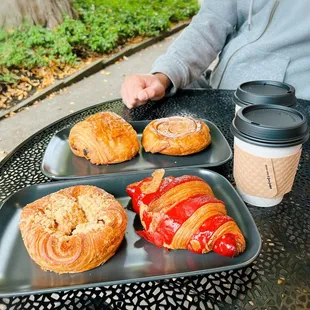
(182, 213)
(74, 229)
(176, 135)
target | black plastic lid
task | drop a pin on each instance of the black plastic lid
(265, 92)
(270, 125)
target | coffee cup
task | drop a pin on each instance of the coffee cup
(267, 147)
(264, 92)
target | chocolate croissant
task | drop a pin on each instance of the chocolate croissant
(74, 229)
(104, 138)
(182, 213)
(176, 136)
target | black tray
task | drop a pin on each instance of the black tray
(60, 163)
(135, 260)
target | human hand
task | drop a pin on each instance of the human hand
(138, 89)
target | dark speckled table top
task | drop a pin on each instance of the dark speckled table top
(278, 279)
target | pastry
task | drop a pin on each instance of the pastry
(176, 136)
(104, 138)
(182, 213)
(74, 229)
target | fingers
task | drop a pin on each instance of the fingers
(130, 87)
(155, 91)
(138, 89)
(143, 95)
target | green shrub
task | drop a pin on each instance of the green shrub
(103, 25)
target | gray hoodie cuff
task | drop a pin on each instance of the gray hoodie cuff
(173, 69)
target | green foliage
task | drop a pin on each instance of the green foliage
(103, 25)
(33, 46)
(9, 78)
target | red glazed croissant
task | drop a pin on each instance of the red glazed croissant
(182, 213)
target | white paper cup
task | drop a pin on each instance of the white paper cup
(267, 146)
(264, 152)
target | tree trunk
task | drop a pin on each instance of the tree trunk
(48, 13)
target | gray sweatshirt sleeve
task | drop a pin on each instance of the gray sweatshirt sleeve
(194, 50)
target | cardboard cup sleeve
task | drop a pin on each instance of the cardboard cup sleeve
(264, 177)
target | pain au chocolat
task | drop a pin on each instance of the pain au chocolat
(74, 229)
(182, 213)
(104, 138)
(176, 136)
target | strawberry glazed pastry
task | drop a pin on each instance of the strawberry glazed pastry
(182, 213)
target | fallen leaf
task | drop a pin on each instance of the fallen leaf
(10, 114)
(136, 40)
(105, 72)
(52, 95)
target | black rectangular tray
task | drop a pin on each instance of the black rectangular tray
(60, 163)
(135, 260)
